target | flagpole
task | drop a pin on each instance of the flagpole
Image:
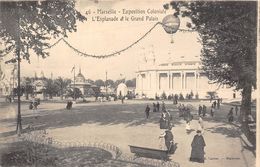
(74, 86)
(106, 83)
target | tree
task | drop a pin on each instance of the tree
(228, 35)
(110, 83)
(27, 87)
(90, 81)
(74, 93)
(131, 83)
(117, 82)
(99, 83)
(62, 85)
(29, 25)
(51, 88)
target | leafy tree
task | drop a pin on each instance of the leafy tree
(110, 83)
(131, 83)
(74, 93)
(117, 82)
(62, 85)
(90, 81)
(51, 88)
(228, 35)
(27, 87)
(99, 83)
(163, 96)
(29, 25)
(212, 94)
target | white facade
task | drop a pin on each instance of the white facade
(80, 83)
(121, 90)
(175, 77)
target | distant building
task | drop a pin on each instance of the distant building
(181, 75)
(121, 90)
(109, 90)
(80, 83)
(8, 78)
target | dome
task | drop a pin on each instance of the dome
(80, 77)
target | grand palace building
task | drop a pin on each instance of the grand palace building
(181, 75)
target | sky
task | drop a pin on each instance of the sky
(100, 38)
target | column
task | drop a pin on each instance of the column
(137, 82)
(168, 79)
(198, 80)
(195, 75)
(183, 80)
(157, 80)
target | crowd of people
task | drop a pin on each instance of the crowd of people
(198, 142)
(166, 124)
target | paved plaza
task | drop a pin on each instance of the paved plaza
(125, 124)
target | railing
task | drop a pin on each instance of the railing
(41, 137)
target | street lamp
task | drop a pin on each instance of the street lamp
(171, 24)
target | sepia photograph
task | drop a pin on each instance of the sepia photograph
(129, 83)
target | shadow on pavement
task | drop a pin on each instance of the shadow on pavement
(128, 114)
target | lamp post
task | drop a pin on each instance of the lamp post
(18, 48)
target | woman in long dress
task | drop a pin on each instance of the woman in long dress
(197, 151)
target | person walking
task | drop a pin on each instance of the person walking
(204, 110)
(214, 104)
(197, 148)
(230, 115)
(236, 109)
(212, 111)
(163, 106)
(154, 107)
(200, 110)
(201, 125)
(218, 103)
(158, 106)
(147, 111)
(168, 140)
(188, 129)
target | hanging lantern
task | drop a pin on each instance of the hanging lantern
(171, 24)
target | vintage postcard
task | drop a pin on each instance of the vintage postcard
(99, 83)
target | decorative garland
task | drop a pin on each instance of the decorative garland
(8, 50)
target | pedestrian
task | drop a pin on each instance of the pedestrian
(158, 106)
(180, 110)
(176, 98)
(214, 104)
(187, 115)
(212, 111)
(188, 129)
(163, 106)
(165, 120)
(197, 148)
(154, 107)
(168, 140)
(69, 105)
(147, 110)
(204, 110)
(122, 99)
(200, 110)
(201, 124)
(230, 115)
(236, 109)
(218, 103)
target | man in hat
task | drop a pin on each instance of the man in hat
(147, 111)
(168, 139)
(197, 145)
